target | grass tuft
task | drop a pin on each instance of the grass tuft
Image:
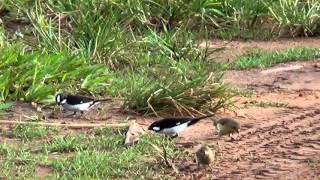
(5, 106)
(102, 159)
(64, 144)
(266, 104)
(38, 76)
(31, 131)
(17, 161)
(261, 59)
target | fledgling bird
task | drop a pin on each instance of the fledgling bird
(226, 126)
(77, 103)
(172, 126)
(205, 156)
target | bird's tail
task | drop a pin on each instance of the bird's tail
(195, 120)
(102, 100)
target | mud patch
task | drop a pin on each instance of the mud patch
(42, 171)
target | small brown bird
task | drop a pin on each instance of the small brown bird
(226, 126)
(205, 156)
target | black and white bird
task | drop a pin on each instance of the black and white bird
(77, 103)
(173, 126)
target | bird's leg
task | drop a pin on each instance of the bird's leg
(173, 136)
(219, 134)
(231, 138)
(199, 165)
(72, 115)
(81, 114)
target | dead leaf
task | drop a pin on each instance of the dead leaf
(133, 133)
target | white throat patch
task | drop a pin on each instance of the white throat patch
(58, 98)
(156, 128)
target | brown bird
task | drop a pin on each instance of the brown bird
(205, 156)
(226, 126)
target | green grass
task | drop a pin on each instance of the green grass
(298, 18)
(16, 161)
(31, 131)
(116, 162)
(98, 154)
(133, 50)
(35, 76)
(4, 106)
(266, 104)
(261, 59)
(246, 92)
(64, 144)
(146, 87)
(222, 18)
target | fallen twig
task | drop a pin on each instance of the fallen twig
(168, 163)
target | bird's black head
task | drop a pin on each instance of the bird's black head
(60, 99)
(155, 127)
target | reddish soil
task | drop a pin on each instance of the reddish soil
(274, 142)
(42, 171)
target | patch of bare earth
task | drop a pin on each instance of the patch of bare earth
(42, 171)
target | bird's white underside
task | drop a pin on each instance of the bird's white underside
(79, 107)
(175, 129)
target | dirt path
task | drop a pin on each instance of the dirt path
(287, 146)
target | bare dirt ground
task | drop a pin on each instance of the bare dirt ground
(274, 142)
(280, 126)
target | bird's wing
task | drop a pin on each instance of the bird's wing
(71, 99)
(171, 122)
